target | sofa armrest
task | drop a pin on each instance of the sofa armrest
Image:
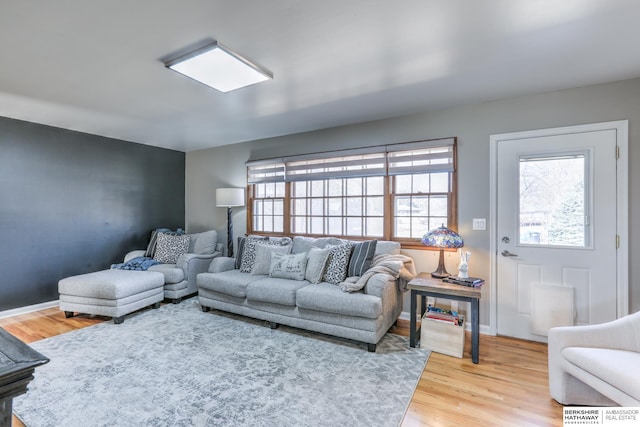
(134, 254)
(220, 264)
(194, 264)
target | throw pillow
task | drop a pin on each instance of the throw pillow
(338, 263)
(249, 252)
(203, 243)
(153, 241)
(170, 247)
(264, 253)
(316, 262)
(361, 258)
(288, 266)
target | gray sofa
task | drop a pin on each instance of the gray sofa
(180, 278)
(363, 316)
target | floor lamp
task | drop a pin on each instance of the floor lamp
(229, 198)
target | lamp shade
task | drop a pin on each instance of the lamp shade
(442, 238)
(229, 197)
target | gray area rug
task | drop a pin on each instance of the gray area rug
(178, 366)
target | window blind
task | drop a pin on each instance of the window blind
(396, 159)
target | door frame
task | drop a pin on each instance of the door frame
(622, 208)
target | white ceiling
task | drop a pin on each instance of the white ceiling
(95, 66)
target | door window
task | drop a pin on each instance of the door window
(554, 200)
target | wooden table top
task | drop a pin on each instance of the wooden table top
(424, 282)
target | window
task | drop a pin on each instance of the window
(394, 192)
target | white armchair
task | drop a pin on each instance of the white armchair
(596, 364)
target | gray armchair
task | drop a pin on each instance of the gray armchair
(180, 278)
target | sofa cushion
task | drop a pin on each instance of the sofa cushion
(264, 254)
(361, 258)
(172, 274)
(609, 365)
(170, 247)
(203, 243)
(232, 282)
(316, 263)
(304, 244)
(276, 291)
(338, 263)
(329, 298)
(288, 266)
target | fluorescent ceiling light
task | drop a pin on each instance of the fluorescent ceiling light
(218, 67)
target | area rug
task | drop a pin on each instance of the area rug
(179, 366)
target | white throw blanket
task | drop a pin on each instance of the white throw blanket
(398, 266)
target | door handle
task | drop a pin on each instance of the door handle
(507, 253)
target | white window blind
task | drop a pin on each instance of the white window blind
(395, 159)
(420, 157)
(271, 170)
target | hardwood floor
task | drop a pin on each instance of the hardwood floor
(509, 386)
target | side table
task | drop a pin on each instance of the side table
(17, 363)
(426, 286)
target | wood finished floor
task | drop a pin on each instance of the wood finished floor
(509, 386)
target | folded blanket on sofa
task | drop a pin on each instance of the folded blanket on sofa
(398, 266)
(140, 263)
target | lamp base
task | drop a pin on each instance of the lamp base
(441, 272)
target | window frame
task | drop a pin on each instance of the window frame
(389, 195)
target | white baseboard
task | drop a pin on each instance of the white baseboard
(28, 309)
(484, 329)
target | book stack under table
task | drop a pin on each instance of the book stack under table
(442, 331)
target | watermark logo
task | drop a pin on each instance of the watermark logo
(605, 416)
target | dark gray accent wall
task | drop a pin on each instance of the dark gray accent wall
(72, 203)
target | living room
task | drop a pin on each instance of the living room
(77, 197)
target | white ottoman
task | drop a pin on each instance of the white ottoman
(113, 293)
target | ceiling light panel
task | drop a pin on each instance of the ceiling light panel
(220, 68)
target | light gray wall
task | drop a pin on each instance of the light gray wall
(472, 124)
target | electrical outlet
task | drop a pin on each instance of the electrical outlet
(479, 224)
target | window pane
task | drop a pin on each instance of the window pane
(270, 189)
(335, 225)
(299, 225)
(317, 188)
(354, 227)
(335, 187)
(375, 206)
(354, 206)
(375, 227)
(317, 225)
(438, 205)
(268, 207)
(278, 207)
(279, 189)
(300, 207)
(419, 206)
(403, 184)
(421, 183)
(259, 189)
(335, 207)
(403, 206)
(268, 223)
(440, 182)
(435, 222)
(552, 201)
(375, 186)
(354, 186)
(419, 226)
(317, 207)
(299, 189)
(278, 224)
(402, 227)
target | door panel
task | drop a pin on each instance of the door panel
(556, 225)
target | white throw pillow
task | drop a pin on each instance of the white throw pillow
(288, 266)
(264, 253)
(316, 263)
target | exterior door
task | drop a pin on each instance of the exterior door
(556, 231)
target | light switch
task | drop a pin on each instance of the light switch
(479, 224)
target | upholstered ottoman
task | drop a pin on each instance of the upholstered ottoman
(113, 293)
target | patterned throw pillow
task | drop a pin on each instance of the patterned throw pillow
(288, 266)
(249, 252)
(170, 247)
(316, 262)
(361, 258)
(153, 241)
(338, 263)
(264, 253)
